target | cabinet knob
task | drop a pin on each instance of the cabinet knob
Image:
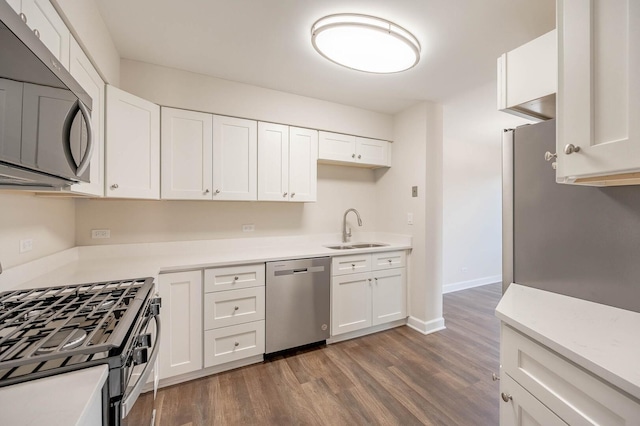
(359, 156)
(571, 148)
(506, 397)
(36, 32)
(284, 195)
(389, 260)
(353, 156)
(114, 186)
(293, 194)
(235, 278)
(23, 17)
(236, 344)
(217, 191)
(235, 308)
(375, 279)
(353, 266)
(495, 377)
(206, 191)
(548, 156)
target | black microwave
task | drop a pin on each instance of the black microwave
(46, 139)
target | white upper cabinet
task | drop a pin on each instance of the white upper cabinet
(287, 163)
(303, 164)
(86, 75)
(335, 148)
(235, 159)
(45, 22)
(598, 92)
(273, 162)
(132, 146)
(187, 158)
(528, 79)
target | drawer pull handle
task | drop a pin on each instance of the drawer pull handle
(494, 377)
(236, 344)
(235, 308)
(506, 397)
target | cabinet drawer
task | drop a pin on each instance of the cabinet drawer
(341, 265)
(523, 408)
(388, 260)
(228, 344)
(573, 394)
(225, 308)
(233, 277)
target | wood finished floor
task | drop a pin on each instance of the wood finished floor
(396, 377)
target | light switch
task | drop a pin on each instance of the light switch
(414, 191)
(409, 218)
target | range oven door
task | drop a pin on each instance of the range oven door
(138, 373)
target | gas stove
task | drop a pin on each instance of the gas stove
(53, 330)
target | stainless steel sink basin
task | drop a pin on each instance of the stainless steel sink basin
(356, 246)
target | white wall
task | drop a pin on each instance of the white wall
(130, 221)
(89, 29)
(182, 89)
(472, 215)
(49, 222)
(417, 161)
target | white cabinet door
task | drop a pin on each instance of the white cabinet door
(303, 164)
(181, 316)
(372, 151)
(598, 88)
(10, 119)
(273, 162)
(187, 154)
(235, 157)
(389, 296)
(350, 303)
(522, 408)
(86, 75)
(15, 4)
(45, 21)
(336, 147)
(132, 146)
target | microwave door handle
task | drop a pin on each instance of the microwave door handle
(66, 145)
(84, 163)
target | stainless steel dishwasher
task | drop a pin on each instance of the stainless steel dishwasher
(297, 302)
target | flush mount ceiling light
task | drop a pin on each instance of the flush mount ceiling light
(365, 43)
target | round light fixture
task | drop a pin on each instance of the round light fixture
(365, 43)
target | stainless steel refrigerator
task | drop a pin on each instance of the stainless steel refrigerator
(578, 241)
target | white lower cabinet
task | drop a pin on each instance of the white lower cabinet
(181, 323)
(367, 290)
(234, 309)
(538, 385)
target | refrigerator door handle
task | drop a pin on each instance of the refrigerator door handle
(507, 208)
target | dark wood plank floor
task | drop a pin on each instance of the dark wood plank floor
(396, 377)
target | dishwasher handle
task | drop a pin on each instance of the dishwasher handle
(298, 271)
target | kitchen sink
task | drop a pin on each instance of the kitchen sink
(356, 246)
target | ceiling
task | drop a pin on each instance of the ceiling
(267, 43)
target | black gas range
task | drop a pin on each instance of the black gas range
(53, 330)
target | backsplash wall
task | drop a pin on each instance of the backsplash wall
(134, 221)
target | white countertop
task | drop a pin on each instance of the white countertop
(125, 261)
(600, 338)
(64, 399)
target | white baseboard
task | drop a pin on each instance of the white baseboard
(426, 327)
(463, 285)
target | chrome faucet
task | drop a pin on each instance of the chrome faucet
(347, 234)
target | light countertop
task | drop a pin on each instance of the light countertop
(125, 261)
(600, 338)
(64, 400)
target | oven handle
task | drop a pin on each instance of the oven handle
(130, 398)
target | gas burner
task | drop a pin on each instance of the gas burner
(77, 337)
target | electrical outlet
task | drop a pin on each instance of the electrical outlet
(26, 245)
(409, 218)
(100, 233)
(250, 227)
(414, 191)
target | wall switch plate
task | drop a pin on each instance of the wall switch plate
(409, 218)
(414, 191)
(100, 233)
(250, 227)
(26, 245)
